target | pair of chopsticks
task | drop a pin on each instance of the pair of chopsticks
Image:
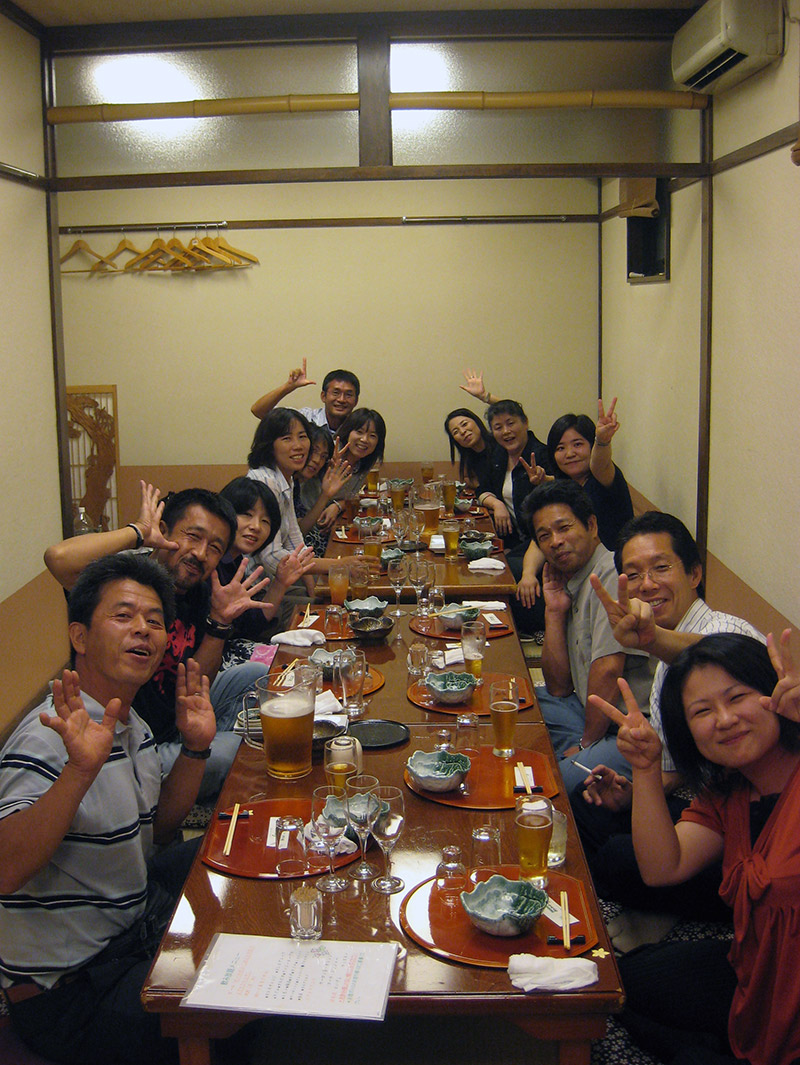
(284, 673)
(226, 850)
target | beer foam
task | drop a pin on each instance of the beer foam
(289, 705)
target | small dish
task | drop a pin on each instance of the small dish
(438, 770)
(473, 536)
(389, 554)
(450, 687)
(473, 549)
(400, 482)
(369, 629)
(504, 907)
(325, 728)
(326, 660)
(371, 607)
(369, 523)
(454, 616)
(461, 506)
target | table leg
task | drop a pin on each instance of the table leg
(574, 1052)
(194, 1050)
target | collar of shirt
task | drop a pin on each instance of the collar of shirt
(574, 583)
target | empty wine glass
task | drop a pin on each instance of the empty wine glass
(328, 821)
(387, 830)
(362, 809)
(397, 572)
(421, 575)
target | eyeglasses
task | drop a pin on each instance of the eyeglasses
(340, 393)
(655, 573)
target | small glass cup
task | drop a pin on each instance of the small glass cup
(359, 580)
(557, 853)
(534, 823)
(305, 913)
(342, 759)
(451, 876)
(443, 739)
(468, 742)
(334, 620)
(503, 708)
(290, 847)
(473, 647)
(417, 660)
(484, 855)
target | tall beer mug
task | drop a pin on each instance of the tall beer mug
(287, 721)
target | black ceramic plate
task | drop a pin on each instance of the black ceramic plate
(379, 733)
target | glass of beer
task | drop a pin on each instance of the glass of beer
(397, 493)
(534, 823)
(338, 581)
(449, 530)
(341, 760)
(473, 647)
(287, 721)
(449, 496)
(372, 478)
(359, 580)
(503, 707)
(372, 546)
(427, 470)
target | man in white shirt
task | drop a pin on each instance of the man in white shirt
(340, 392)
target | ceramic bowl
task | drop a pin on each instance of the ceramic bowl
(453, 617)
(370, 524)
(325, 728)
(400, 482)
(326, 660)
(504, 907)
(389, 554)
(450, 688)
(438, 770)
(369, 629)
(461, 506)
(371, 607)
(476, 549)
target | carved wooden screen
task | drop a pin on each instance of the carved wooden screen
(94, 452)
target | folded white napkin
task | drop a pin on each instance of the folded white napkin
(299, 637)
(490, 565)
(550, 974)
(327, 705)
(485, 605)
(437, 542)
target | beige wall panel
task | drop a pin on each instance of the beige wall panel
(754, 526)
(20, 90)
(761, 104)
(407, 309)
(30, 516)
(651, 336)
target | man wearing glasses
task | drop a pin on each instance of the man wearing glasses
(340, 392)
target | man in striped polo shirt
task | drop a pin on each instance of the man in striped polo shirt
(84, 897)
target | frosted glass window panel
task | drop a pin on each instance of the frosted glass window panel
(475, 137)
(314, 139)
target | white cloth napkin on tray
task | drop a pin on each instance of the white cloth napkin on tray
(531, 973)
(485, 605)
(299, 637)
(488, 565)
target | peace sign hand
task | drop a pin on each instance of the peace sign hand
(632, 620)
(637, 740)
(785, 698)
(536, 474)
(607, 423)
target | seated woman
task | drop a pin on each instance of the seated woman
(731, 715)
(319, 482)
(580, 451)
(475, 445)
(518, 461)
(258, 519)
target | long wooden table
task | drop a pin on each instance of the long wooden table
(423, 984)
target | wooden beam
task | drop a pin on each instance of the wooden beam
(374, 116)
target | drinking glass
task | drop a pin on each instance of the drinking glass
(372, 546)
(352, 669)
(341, 760)
(372, 478)
(468, 742)
(397, 572)
(557, 853)
(338, 580)
(451, 876)
(421, 575)
(328, 822)
(362, 809)
(473, 647)
(399, 522)
(334, 621)
(534, 821)
(484, 855)
(414, 527)
(503, 707)
(359, 580)
(427, 470)
(290, 847)
(387, 830)
(449, 530)
(449, 496)
(287, 721)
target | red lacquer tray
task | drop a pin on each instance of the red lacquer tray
(478, 703)
(374, 680)
(447, 932)
(492, 787)
(250, 856)
(434, 628)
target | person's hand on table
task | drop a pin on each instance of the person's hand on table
(500, 516)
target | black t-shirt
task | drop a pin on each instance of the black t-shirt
(612, 505)
(155, 701)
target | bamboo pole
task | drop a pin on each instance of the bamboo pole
(445, 101)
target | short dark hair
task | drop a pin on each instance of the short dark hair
(357, 420)
(583, 426)
(276, 424)
(177, 503)
(342, 375)
(505, 406)
(556, 493)
(746, 660)
(656, 521)
(318, 435)
(466, 464)
(88, 590)
(243, 493)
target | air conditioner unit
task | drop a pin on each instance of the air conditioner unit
(726, 41)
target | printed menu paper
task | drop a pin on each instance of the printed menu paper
(318, 978)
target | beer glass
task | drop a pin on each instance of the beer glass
(427, 470)
(534, 823)
(449, 496)
(287, 721)
(473, 646)
(359, 580)
(341, 760)
(503, 707)
(449, 530)
(372, 478)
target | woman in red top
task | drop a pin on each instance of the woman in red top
(731, 714)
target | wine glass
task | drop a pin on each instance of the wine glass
(362, 809)
(397, 572)
(399, 522)
(421, 575)
(387, 830)
(328, 821)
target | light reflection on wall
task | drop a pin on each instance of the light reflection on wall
(144, 79)
(417, 68)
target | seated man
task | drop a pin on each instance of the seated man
(659, 565)
(580, 656)
(340, 392)
(188, 534)
(85, 898)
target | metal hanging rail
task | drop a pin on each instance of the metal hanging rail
(141, 227)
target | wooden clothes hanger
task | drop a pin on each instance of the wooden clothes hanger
(82, 246)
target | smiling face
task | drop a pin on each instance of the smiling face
(317, 459)
(564, 541)
(726, 719)
(510, 431)
(202, 540)
(656, 576)
(252, 529)
(340, 398)
(291, 450)
(572, 455)
(121, 648)
(362, 442)
(466, 433)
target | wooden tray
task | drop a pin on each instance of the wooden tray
(446, 930)
(478, 703)
(492, 787)
(250, 855)
(434, 628)
(319, 624)
(373, 681)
